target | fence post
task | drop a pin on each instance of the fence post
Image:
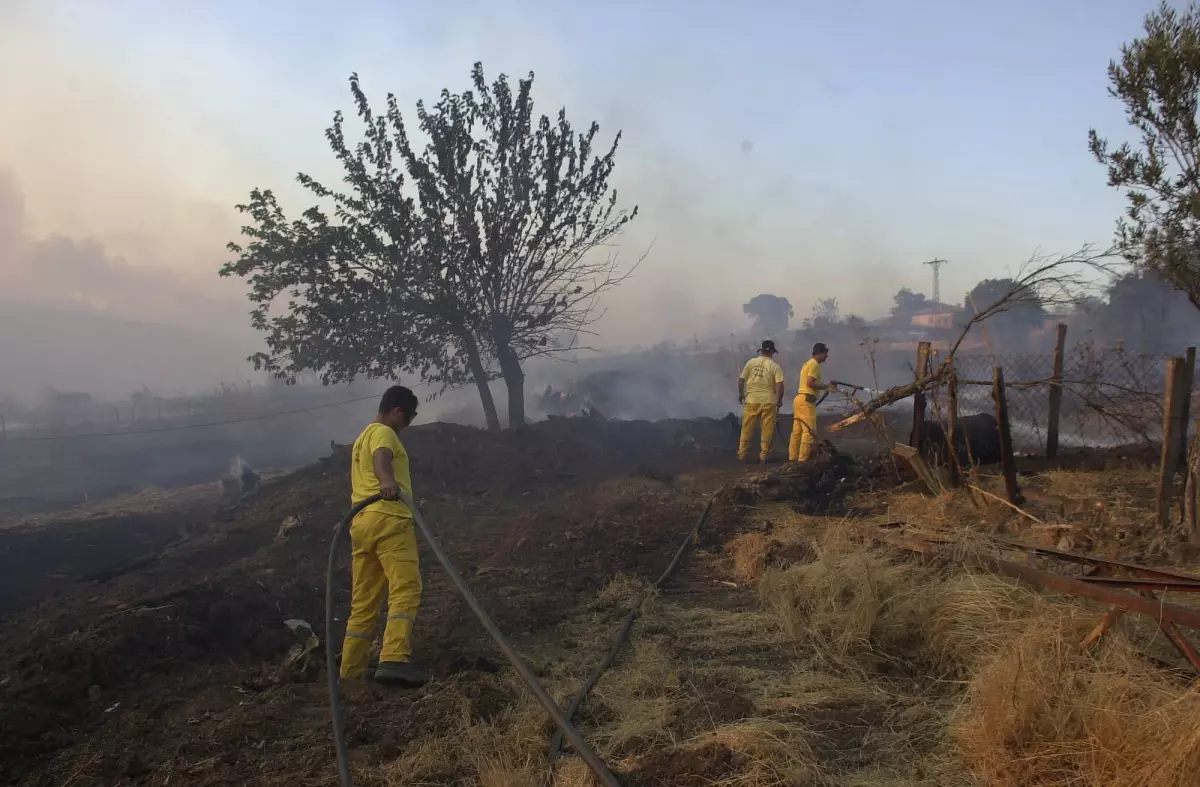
(1191, 517)
(1056, 394)
(952, 431)
(1008, 462)
(1185, 405)
(1169, 462)
(917, 436)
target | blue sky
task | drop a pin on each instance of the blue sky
(882, 133)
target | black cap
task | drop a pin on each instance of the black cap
(768, 347)
(819, 348)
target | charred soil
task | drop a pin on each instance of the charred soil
(161, 654)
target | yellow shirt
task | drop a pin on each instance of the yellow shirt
(811, 368)
(761, 375)
(363, 482)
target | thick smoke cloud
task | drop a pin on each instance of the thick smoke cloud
(73, 316)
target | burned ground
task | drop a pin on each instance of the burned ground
(166, 653)
(782, 653)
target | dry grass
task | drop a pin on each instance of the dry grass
(768, 753)
(1035, 709)
(643, 698)
(749, 553)
(972, 613)
(1131, 486)
(860, 667)
(851, 605)
(1043, 712)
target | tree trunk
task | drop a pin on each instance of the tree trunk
(479, 373)
(514, 378)
(510, 369)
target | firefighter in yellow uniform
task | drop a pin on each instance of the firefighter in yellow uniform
(804, 406)
(384, 546)
(760, 392)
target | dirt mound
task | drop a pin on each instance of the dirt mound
(464, 460)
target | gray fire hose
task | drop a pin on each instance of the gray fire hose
(602, 772)
(626, 628)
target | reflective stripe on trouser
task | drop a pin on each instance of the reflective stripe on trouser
(385, 556)
(804, 429)
(752, 414)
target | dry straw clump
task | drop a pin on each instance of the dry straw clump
(851, 605)
(767, 754)
(1041, 712)
(1034, 709)
(642, 697)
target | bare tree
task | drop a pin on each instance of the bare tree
(825, 314)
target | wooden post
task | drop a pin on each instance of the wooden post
(917, 436)
(1191, 517)
(1008, 462)
(1056, 394)
(1170, 439)
(1185, 402)
(952, 431)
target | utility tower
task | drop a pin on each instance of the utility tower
(937, 279)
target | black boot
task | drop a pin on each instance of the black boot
(400, 673)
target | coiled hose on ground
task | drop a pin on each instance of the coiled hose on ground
(623, 634)
(566, 729)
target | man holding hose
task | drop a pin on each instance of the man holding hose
(384, 544)
(804, 406)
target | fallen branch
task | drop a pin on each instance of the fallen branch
(893, 395)
(997, 498)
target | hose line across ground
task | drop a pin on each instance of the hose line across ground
(623, 634)
(602, 772)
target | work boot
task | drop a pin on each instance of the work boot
(400, 673)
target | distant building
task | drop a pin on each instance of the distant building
(935, 315)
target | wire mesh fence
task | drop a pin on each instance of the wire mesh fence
(1110, 397)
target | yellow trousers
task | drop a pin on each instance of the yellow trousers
(804, 429)
(385, 557)
(752, 415)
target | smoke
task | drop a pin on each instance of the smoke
(827, 192)
(1141, 313)
(73, 316)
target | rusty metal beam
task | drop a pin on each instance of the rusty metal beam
(1175, 636)
(1079, 557)
(1153, 609)
(1181, 643)
(1179, 585)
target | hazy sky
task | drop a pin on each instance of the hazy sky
(806, 149)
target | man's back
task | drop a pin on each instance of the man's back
(363, 481)
(761, 374)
